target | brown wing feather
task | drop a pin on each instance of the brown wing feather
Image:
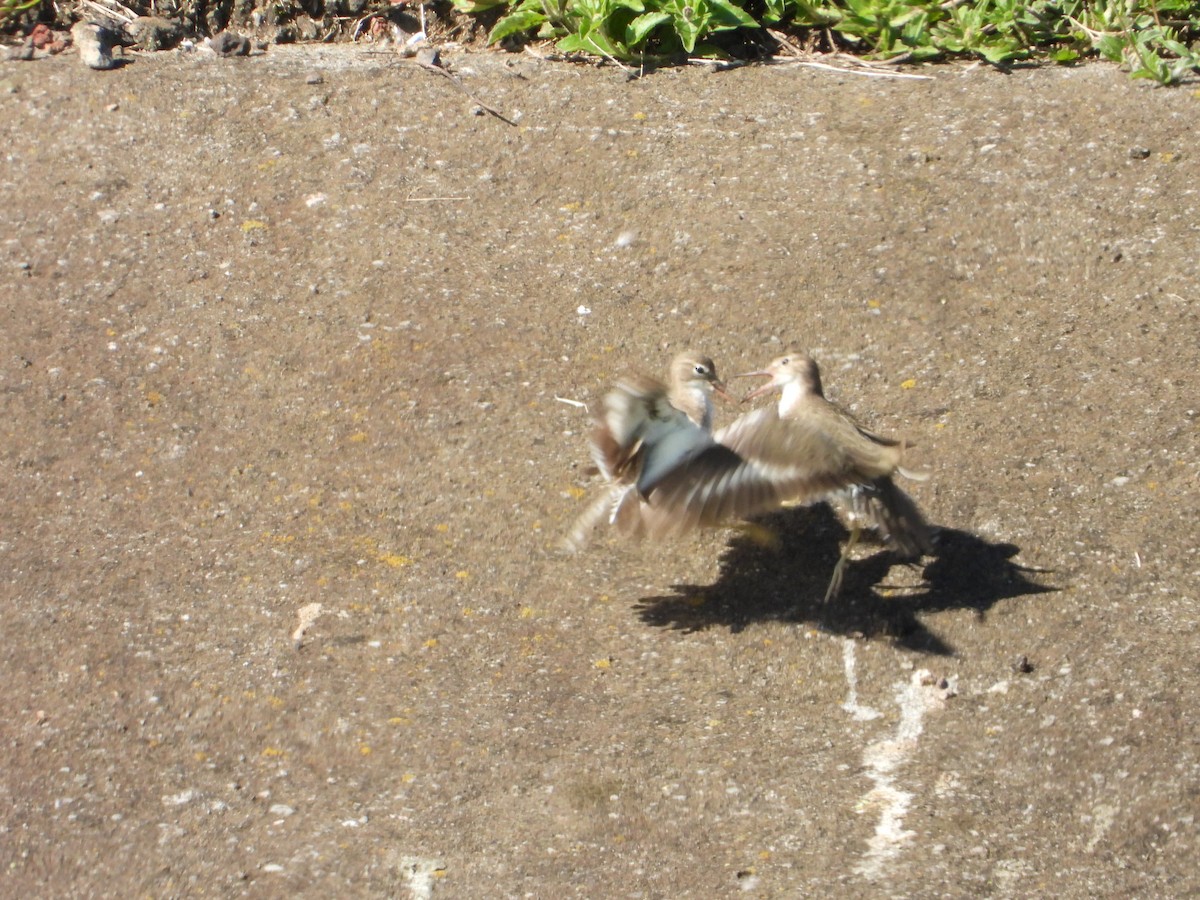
(715, 486)
(892, 513)
(807, 456)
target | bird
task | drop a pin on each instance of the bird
(647, 431)
(814, 450)
(668, 474)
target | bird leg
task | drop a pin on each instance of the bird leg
(835, 583)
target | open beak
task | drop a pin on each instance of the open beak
(759, 391)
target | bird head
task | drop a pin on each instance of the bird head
(796, 368)
(691, 371)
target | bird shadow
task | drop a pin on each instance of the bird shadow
(779, 567)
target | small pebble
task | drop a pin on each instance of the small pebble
(228, 43)
(1139, 152)
(95, 43)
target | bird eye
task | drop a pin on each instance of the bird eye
(784, 361)
(701, 369)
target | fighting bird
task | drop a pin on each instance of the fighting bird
(812, 449)
(651, 441)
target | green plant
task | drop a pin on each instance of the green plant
(887, 28)
(9, 8)
(617, 29)
(1146, 38)
(1155, 39)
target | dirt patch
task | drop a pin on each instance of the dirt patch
(291, 329)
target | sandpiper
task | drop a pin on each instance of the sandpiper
(815, 450)
(646, 430)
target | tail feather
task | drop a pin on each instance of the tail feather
(893, 514)
(617, 505)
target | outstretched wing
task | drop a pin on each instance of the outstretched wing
(804, 457)
(640, 436)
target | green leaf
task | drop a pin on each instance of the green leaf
(639, 29)
(524, 20)
(477, 6)
(730, 15)
(595, 43)
(1112, 47)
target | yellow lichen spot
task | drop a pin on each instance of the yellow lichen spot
(908, 384)
(940, 425)
(604, 598)
(576, 492)
(441, 527)
(200, 756)
(1152, 485)
(154, 398)
(399, 720)
(873, 304)
(462, 574)
(251, 371)
(527, 612)
(431, 643)
(570, 207)
(275, 702)
(639, 116)
(767, 642)
(273, 752)
(359, 437)
(467, 612)
(394, 560)
(605, 663)
(253, 225)
(364, 749)
(408, 777)
(631, 154)
(111, 332)
(267, 164)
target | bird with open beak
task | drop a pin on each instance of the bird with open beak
(815, 450)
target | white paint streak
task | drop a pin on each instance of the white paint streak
(307, 615)
(881, 760)
(420, 875)
(1103, 816)
(860, 713)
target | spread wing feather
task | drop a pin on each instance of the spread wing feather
(892, 513)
